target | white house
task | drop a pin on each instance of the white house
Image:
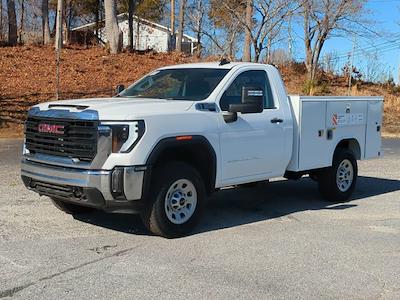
(147, 35)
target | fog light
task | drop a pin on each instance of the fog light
(117, 184)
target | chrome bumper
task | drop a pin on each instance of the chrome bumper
(53, 179)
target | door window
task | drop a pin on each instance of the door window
(233, 93)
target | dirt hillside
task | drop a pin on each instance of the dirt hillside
(27, 77)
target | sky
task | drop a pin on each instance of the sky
(385, 17)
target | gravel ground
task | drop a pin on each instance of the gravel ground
(278, 241)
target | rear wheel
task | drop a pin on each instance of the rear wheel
(70, 208)
(175, 201)
(337, 183)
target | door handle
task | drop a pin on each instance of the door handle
(276, 120)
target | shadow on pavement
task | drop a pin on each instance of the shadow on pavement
(235, 207)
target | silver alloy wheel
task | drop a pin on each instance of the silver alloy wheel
(180, 201)
(344, 175)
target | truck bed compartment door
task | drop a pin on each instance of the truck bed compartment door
(374, 128)
(314, 145)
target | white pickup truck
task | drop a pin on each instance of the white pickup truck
(162, 145)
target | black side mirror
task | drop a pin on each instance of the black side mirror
(252, 101)
(119, 89)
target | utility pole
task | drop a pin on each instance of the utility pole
(398, 73)
(351, 65)
(58, 44)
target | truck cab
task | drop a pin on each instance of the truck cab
(180, 133)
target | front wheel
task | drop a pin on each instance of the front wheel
(337, 183)
(176, 200)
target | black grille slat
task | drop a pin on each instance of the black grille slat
(60, 148)
(60, 141)
(79, 139)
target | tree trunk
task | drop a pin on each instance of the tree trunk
(231, 43)
(58, 39)
(1, 20)
(172, 38)
(53, 30)
(199, 26)
(21, 22)
(45, 22)
(131, 9)
(247, 38)
(268, 56)
(181, 25)
(137, 43)
(67, 20)
(307, 39)
(65, 28)
(198, 46)
(97, 19)
(113, 33)
(12, 23)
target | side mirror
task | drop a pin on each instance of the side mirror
(252, 101)
(119, 89)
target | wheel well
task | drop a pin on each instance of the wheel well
(197, 152)
(352, 145)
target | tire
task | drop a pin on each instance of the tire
(337, 183)
(176, 200)
(70, 208)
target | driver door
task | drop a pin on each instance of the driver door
(252, 147)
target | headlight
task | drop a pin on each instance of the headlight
(125, 135)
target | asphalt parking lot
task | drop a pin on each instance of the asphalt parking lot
(279, 241)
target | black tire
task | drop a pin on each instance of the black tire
(154, 216)
(327, 178)
(70, 208)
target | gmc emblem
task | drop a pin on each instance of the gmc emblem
(51, 128)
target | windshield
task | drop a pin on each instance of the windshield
(177, 84)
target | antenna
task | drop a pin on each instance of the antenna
(224, 61)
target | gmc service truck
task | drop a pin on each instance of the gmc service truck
(161, 146)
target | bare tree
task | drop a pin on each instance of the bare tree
(196, 12)
(248, 27)
(322, 19)
(12, 23)
(269, 18)
(224, 29)
(181, 25)
(21, 21)
(114, 34)
(45, 22)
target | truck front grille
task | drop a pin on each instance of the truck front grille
(62, 137)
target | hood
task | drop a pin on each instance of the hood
(119, 108)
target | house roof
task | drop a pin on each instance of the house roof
(124, 16)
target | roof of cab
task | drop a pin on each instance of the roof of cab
(210, 65)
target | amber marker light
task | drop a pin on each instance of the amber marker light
(184, 138)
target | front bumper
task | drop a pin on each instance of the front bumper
(94, 188)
